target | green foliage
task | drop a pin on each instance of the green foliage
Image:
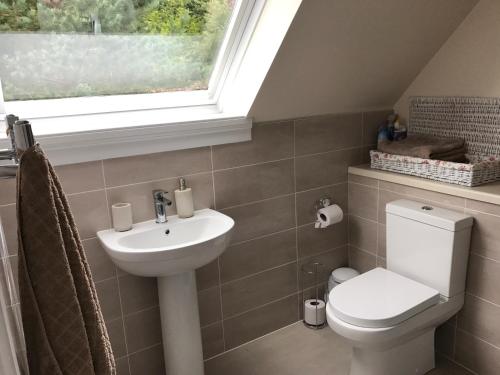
(18, 15)
(175, 17)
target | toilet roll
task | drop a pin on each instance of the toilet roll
(122, 216)
(314, 312)
(328, 216)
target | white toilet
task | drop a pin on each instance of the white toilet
(390, 316)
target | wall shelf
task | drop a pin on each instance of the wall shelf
(489, 193)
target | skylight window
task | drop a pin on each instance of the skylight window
(101, 79)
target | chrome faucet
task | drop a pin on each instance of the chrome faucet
(161, 202)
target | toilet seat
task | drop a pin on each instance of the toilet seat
(380, 298)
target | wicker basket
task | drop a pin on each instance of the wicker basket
(476, 120)
(480, 171)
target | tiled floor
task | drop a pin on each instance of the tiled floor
(296, 350)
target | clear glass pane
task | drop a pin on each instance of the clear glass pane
(69, 48)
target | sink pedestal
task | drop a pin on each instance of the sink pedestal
(180, 323)
(171, 251)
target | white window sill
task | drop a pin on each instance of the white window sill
(110, 135)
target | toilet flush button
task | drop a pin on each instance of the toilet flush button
(427, 208)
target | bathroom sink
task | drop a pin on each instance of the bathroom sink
(171, 252)
(177, 246)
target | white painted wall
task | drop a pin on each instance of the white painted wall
(468, 64)
(351, 55)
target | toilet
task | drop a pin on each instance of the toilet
(389, 316)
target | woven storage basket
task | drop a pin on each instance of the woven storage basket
(476, 120)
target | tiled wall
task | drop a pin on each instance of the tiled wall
(268, 185)
(472, 338)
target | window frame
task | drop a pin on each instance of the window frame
(72, 106)
(123, 125)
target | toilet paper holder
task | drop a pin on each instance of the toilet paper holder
(322, 203)
(327, 213)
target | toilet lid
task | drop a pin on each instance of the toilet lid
(380, 298)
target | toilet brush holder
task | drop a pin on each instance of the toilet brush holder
(313, 285)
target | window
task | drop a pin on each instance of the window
(109, 78)
(75, 48)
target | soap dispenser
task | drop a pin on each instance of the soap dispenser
(184, 200)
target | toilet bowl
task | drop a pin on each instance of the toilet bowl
(389, 316)
(388, 337)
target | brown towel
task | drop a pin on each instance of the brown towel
(63, 324)
(425, 146)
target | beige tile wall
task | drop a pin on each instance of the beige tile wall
(268, 185)
(472, 338)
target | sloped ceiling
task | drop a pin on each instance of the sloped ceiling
(350, 55)
(467, 64)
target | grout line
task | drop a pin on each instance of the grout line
(378, 215)
(478, 338)
(482, 299)
(152, 307)
(259, 201)
(345, 182)
(415, 197)
(261, 237)
(349, 262)
(329, 152)
(218, 258)
(363, 115)
(85, 192)
(455, 329)
(348, 219)
(456, 363)
(123, 322)
(323, 252)
(106, 279)
(482, 212)
(333, 249)
(254, 164)
(467, 200)
(251, 341)
(144, 349)
(213, 175)
(330, 114)
(363, 250)
(364, 218)
(106, 189)
(8, 205)
(297, 276)
(484, 257)
(154, 180)
(312, 222)
(364, 185)
(261, 306)
(108, 208)
(211, 324)
(220, 305)
(258, 273)
(138, 312)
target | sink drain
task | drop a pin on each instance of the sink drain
(167, 231)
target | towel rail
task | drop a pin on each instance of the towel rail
(21, 138)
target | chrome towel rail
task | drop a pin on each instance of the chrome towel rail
(21, 138)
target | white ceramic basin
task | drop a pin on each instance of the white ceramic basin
(171, 252)
(177, 246)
